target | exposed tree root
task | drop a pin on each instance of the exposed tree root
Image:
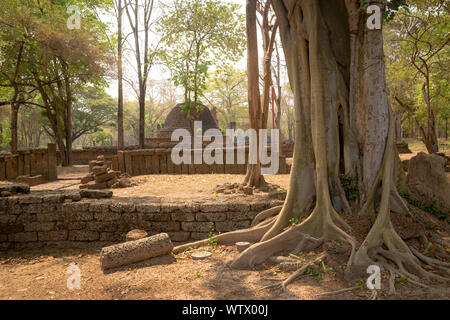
(250, 235)
(284, 283)
(266, 214)
(333, 293)
(391, 282)
(374, 295)
(382, 243)
(313, 232)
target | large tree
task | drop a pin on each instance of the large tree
(343, 126)
(55, 62)
(139, 13)
(418, 49)
(198, 34)
(119, 10)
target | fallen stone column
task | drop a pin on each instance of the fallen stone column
(135, 251)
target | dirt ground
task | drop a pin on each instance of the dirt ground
(42, 274)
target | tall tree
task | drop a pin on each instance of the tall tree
(119, 9)
(58, 61)
(335, 62)
(259, 105)
(196, 35)
(143, 55)
(419, 39)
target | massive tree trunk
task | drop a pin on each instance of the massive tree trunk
(343, 126)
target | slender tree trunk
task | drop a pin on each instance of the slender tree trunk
(120, 137)
(446, 128)
(14, 123)
(432, 141)
(253, 176)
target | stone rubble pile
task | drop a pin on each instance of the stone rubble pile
(102, 177)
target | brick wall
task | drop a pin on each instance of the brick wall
(65, 219)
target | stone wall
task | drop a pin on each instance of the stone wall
(30, 162)
(159, 161)
(66, 220)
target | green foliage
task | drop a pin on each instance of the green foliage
(227, 91)
(350, 185)
(93, 109)
(318, 273)
(401, 280)
(392, 7)
(294, 221)
(417, 55)
(199, 34)
(212, 242)
(56, 62)
(360, 283)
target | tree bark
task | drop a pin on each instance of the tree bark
(120, 135)
(13, 124)
(336, 65)
(253, 176)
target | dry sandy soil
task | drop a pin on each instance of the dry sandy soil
(42, 274)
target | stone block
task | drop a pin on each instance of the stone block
(107, 216)
(214, 207)
(157, 217)
(53, 235)
(211, 216)
(30, 199)
(83, 235)
(239, 216)
(99, 207)
(39, 226)
(227, 226)
(121, 207)
(23, 237)
(182, 216)
(179, 236)
(101, 226)
(196, 226)
(148, 208)
(238, 206)
(135, 251)
(199, 235)
(166, 226)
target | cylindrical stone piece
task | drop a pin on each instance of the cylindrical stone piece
(135, 251)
